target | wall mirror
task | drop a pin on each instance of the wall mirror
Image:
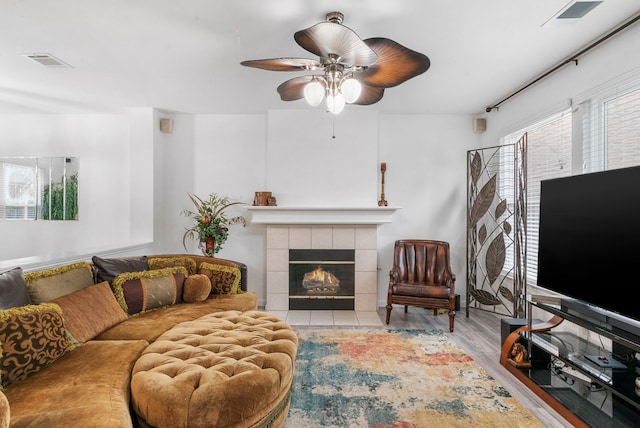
(38, 188)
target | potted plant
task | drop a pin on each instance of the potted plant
(211, 223)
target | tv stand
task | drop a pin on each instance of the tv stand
(560, 366)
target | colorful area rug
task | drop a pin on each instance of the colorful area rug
(395, 378)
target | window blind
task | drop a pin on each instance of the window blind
(17, 191)
(548, 156)
(611, 125)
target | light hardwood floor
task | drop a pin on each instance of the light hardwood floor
(478, 335)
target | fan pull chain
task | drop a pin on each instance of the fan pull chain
(334, 128)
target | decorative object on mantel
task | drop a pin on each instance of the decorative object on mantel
(211, 223)
(264, 199)
(383, 202)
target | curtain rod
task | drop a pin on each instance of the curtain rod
(573, 58)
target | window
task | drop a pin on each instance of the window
(611, 131)
(38, 188)
(548, 156)
(608, 137)
(18, 190)
(622, 130)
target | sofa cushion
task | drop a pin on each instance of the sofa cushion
(197, 288)
(90, 311)
(141, 291)
(13, 290)
(32, 337)
(164, 262)
(88, 387)
(5, 411)
(108, 269)
(228, 369)
(46, 285)
(151, 324)
(224, 279)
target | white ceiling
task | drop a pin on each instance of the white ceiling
(184, 55)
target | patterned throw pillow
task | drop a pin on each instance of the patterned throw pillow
(141, 291)
(32, 337)
(224, 279)
(90, 311)
(164, 262)
(13, 290)
(108, 269)
(46, 285)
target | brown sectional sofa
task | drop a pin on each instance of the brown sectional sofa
(84, 345)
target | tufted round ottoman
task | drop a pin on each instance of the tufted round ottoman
(226, 369)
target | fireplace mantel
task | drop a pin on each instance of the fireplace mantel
(321, 215)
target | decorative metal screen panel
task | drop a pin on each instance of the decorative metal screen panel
(496, 229)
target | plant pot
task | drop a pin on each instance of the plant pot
(209, 246)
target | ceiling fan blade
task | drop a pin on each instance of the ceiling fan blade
(293, 89)
(283, 64)
(369, 95)
(327, 38)
(396, 63)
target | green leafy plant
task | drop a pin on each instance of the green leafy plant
(211, 222)
(60, 200)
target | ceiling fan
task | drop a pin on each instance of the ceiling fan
(349, 69)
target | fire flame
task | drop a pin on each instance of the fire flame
(320, 276)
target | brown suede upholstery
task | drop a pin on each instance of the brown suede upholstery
(228, 369)
(214, 260)
(151, 324)
(421, 276)
(94, 395)
(196, 288)
(90, 385)
(5, 411)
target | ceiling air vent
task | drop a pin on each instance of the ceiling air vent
(47, 60)
(578, 9)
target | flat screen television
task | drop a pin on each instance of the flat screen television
(589, 239)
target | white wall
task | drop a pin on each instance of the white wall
(616, 57)
(294, 155)
(426, 176)
(134, 180)
(104, 146)
(318, 159)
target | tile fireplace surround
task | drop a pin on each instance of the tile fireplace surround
(321, 228)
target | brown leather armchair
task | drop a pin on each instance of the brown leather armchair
(421, 276)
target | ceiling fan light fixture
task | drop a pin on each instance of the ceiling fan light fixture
(355, 71)
(335, 103)
(314, 92)
(350, 89)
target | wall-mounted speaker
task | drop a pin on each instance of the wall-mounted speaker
(166, 125)
(479, 124)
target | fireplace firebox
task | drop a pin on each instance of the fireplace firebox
(321, 279)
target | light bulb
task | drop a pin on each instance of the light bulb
(335, 103)
(314, 92)
(351, 89)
